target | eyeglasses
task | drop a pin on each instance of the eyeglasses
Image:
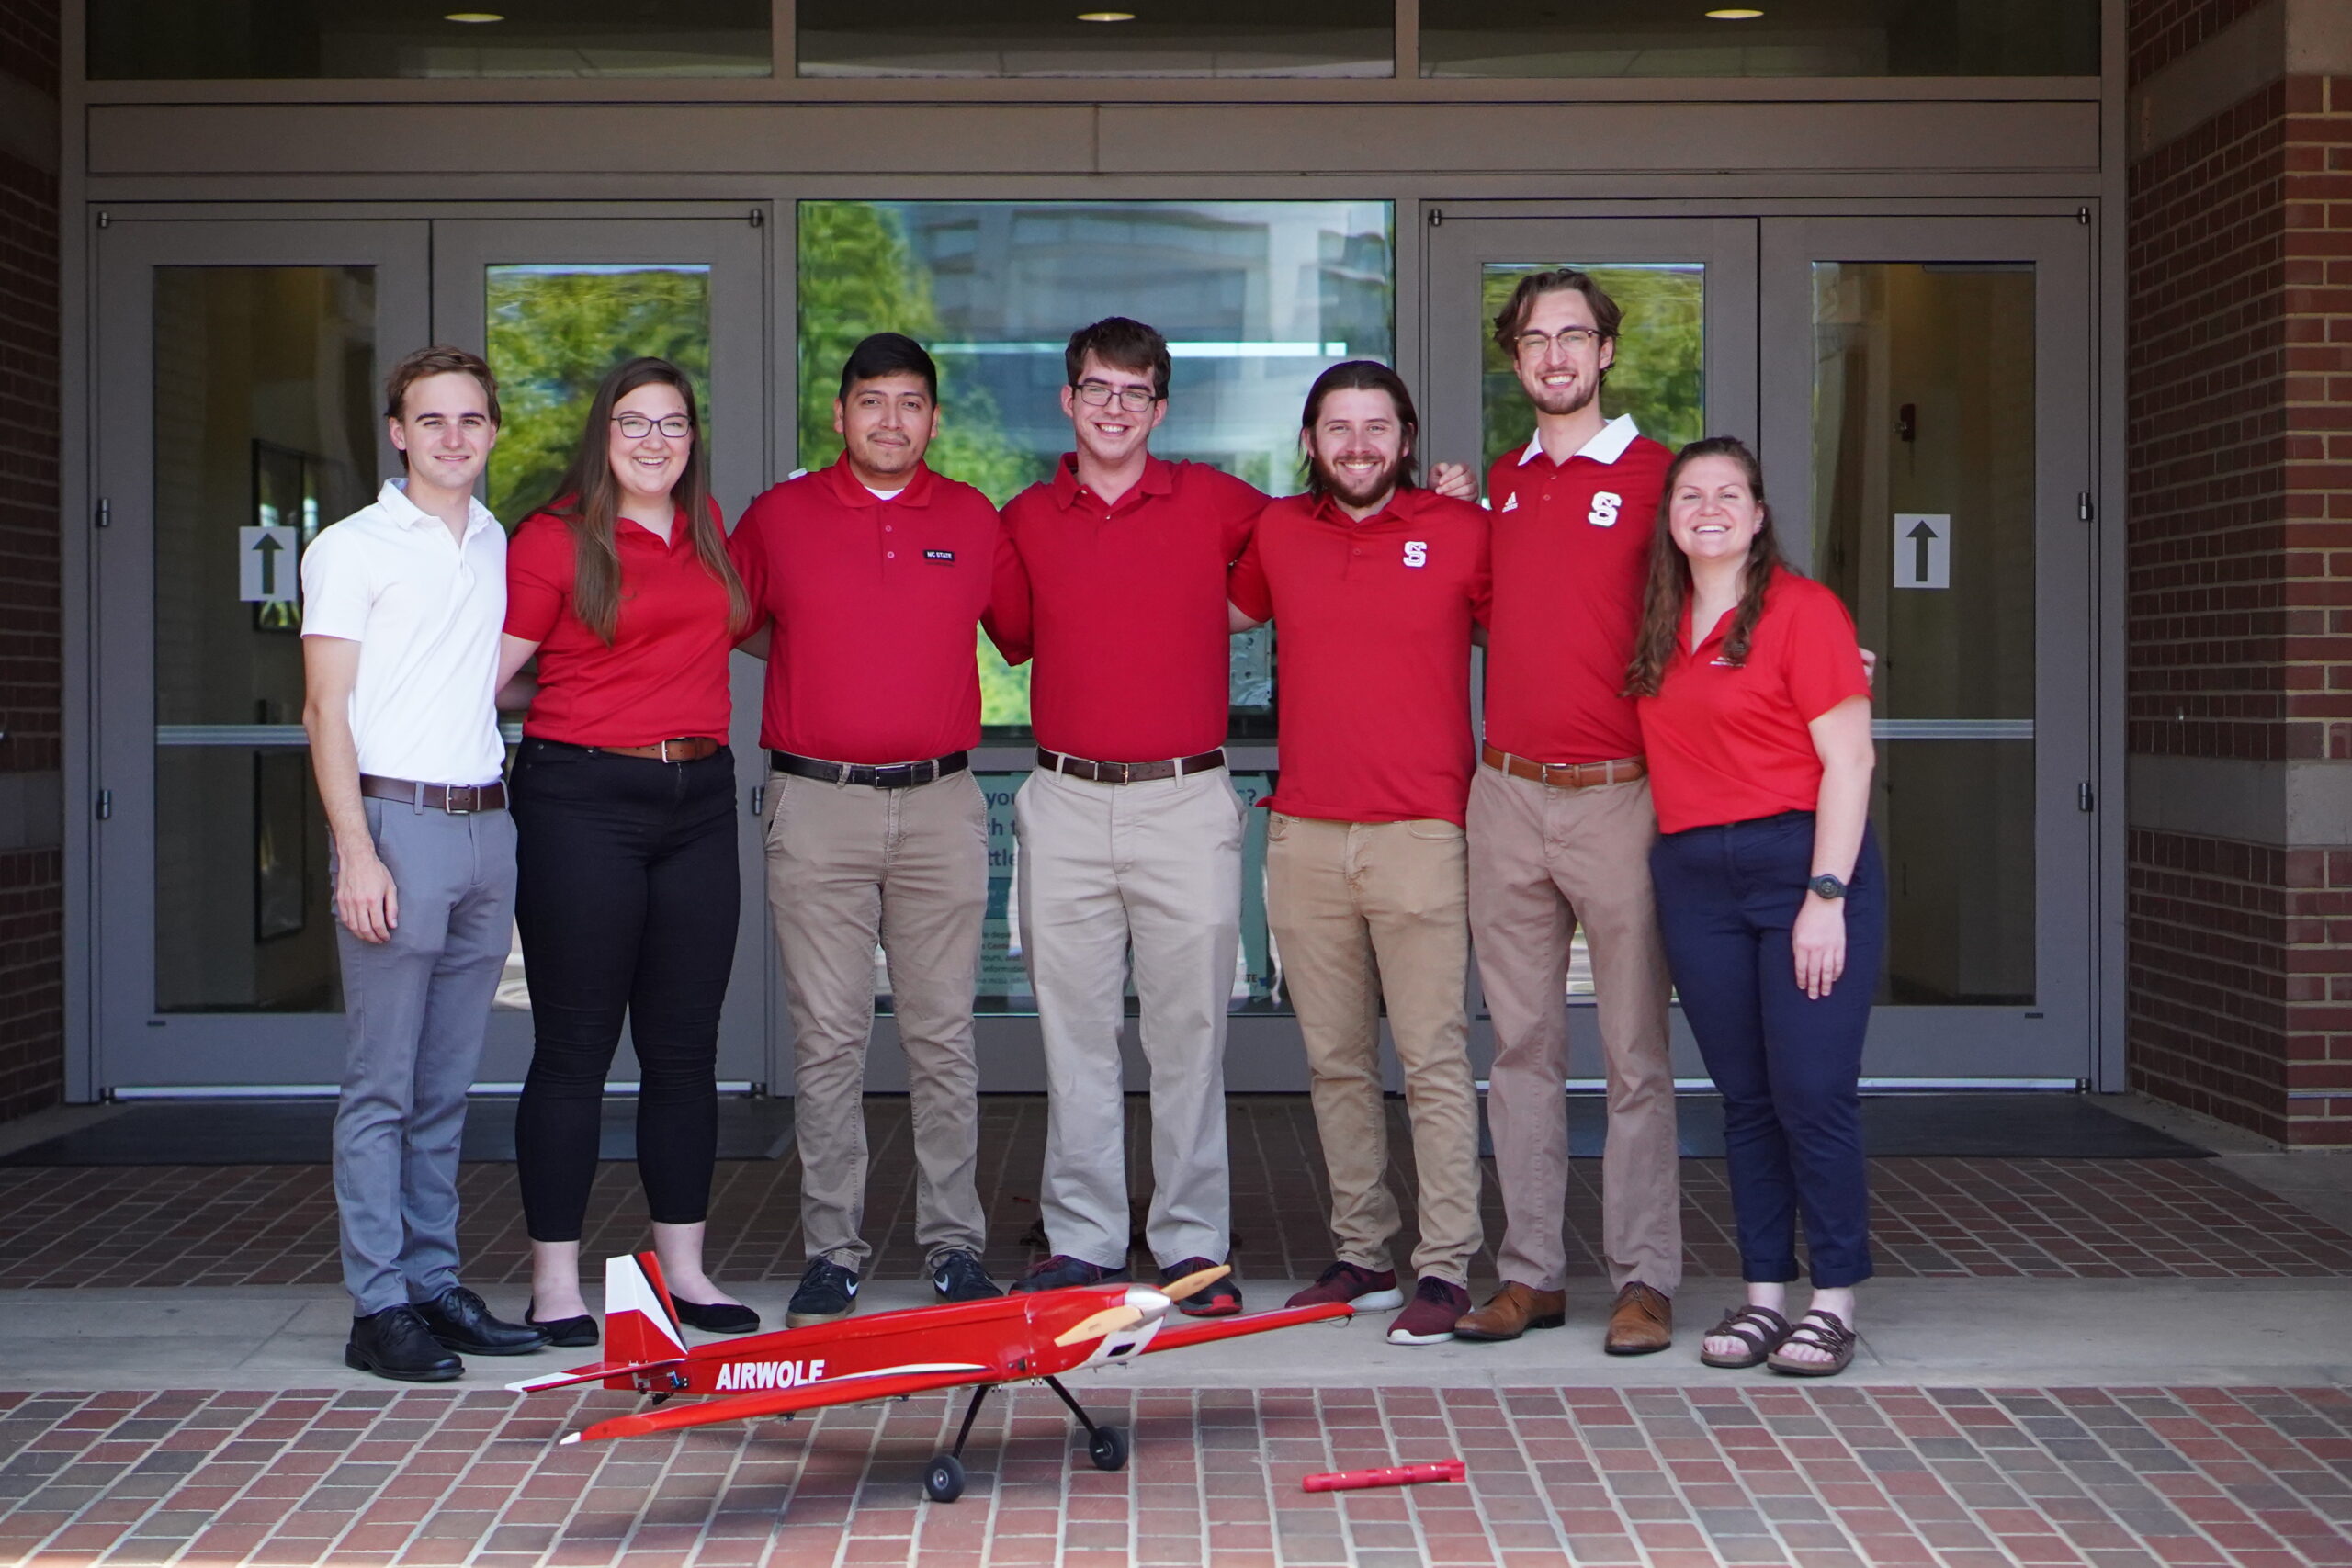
(1135, 400)
(637, 427)
(1572, 339)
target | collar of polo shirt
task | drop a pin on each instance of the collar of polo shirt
(916, 492)
(1158, 479)
(393, 499)
(1606, 446)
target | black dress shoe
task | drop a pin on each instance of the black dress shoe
(715, 1317)
(565, 1332)
(395, 1343)
(462, 1320)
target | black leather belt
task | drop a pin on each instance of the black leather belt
(894, 775)
(1128, 772)
(457, 800)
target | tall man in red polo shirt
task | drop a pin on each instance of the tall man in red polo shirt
(872, 575)
(1374, 587)
(1130, 831)
(1561, 828)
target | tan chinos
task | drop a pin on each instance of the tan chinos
(1543, 858)
(1155, 868)
(1364, 912)
(850, 865)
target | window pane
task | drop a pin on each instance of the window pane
(1770, 37)
(1055, 38)
(1255, 298)
(299, 38)
(1658, 375)
(265, 418)
(1924, 487)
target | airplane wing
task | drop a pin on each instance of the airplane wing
(888, 1383)
(1202, 1330)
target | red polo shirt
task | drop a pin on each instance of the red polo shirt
(1729, 743)
(874, 605)
(1122, 606)
(1572, 554)
(664, 676)
(1372, 652)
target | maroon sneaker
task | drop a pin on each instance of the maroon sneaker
(1219, 1298)
(1361, 1288)
(1429, 1319)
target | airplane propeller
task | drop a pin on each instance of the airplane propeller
(1193, 1284)
(1104, 1324)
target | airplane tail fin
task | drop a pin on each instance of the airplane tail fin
(640, 1325)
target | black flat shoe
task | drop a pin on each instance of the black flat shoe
(395, 1343)
(565, 1332)
(717, 1318)
(461, 1321)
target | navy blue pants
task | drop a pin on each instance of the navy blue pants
(1789, 1067)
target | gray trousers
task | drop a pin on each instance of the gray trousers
(414, 1011)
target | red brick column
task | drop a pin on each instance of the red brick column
(2240, 452)
(32, 884)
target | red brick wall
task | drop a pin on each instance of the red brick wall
(2160, 32)
(2239, 438)
(32, 886)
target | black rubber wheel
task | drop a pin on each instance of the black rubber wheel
(943, 1481)
(1108, 1447)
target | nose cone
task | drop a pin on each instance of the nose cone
(1146, 1301)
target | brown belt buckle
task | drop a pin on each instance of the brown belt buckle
(449, 799)
(1102, 772)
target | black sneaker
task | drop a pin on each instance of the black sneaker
(394, 1342)
(1219, 1298)
(828, 1293)
(461, 1320)
(1060, 1271)
(958, 1276)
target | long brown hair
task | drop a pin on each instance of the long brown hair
(1668, 595)
(588, 499)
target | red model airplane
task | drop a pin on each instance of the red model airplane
(1017, 1338)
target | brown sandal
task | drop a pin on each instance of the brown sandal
(1758, 1327)
(1823, 1331)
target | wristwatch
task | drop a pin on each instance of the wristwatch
(1827, 887)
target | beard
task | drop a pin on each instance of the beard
(1351, 490)
(1562, 399)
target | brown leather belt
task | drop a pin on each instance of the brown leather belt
(1128, 772)
(890, 775)
(457, 800)
(1565, 775)
(693, 748)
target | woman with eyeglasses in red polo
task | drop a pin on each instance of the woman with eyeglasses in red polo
(1756, 719)
(624, 801)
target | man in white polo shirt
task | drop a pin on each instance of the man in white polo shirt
(401, 604)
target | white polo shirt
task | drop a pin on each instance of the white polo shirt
(426, 609)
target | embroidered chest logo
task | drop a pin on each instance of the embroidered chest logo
(1511, 501)
(948, 555)
(1416, 552)
(1605, 504)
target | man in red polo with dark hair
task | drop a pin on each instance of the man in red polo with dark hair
(1374, 587)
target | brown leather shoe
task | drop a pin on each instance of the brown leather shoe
(1641, 1322)
(1512, 1312)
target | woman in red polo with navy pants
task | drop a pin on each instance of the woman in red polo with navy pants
(624, 803)
(1755, 719)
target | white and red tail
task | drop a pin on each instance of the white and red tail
(640, 1325)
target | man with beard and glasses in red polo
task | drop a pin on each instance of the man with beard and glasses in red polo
(1375, 587)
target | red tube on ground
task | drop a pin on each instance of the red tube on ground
(1395, 1475)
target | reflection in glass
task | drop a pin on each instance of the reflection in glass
(1053, 38)
(555, 328)
(1255, 299)
(1777, 38)
(264, 416)
(1657, 377)
(309, 39)
(1924, 425)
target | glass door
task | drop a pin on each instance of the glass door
(1928, 445)
(238, 376)
(553, 304)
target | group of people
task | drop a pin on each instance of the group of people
(1676, 756)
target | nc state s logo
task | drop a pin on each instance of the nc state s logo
(1416, 552)
(1605, 504)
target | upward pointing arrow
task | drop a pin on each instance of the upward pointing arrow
(1921, 537)
(270, 546)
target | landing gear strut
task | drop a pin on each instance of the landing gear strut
(943, 1481)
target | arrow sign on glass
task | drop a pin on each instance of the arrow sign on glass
(1922, 549)
(265, 571)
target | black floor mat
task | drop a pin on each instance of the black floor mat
(300, 1132)
(1982, 1126)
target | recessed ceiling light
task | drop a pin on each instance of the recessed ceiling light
(1107, 15)
(473, 17)
(1735, 14)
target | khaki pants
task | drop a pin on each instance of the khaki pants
(849, 865)
(1542, 859)
(1364, 912)
(1157, 867)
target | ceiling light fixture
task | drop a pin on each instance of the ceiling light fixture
(1107, 15)
(1734, 14)
(473, 19)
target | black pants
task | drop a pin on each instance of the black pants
(1789, 1066)
(627, 896)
